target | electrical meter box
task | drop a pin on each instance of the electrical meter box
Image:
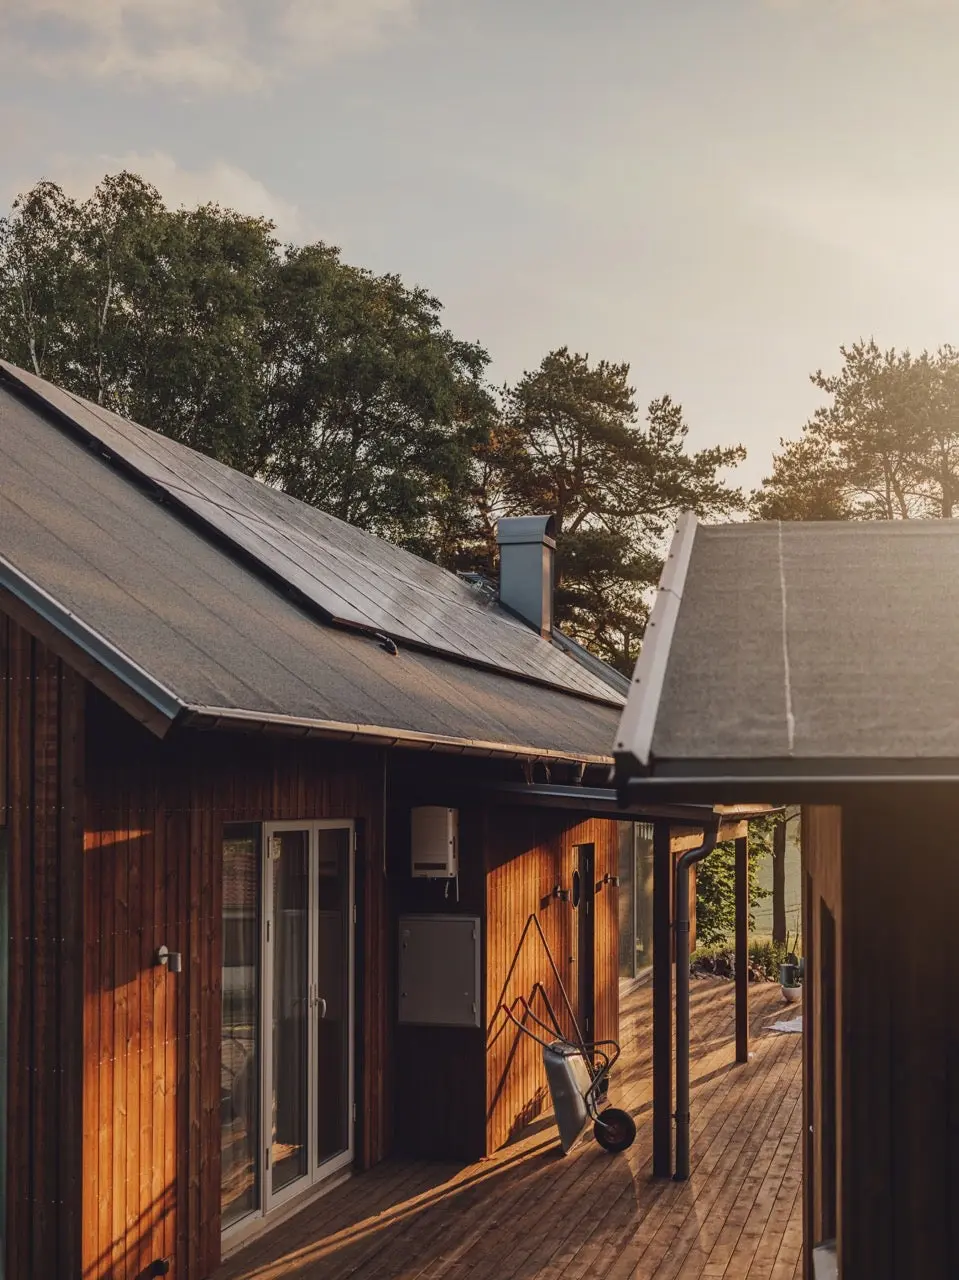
(439, 971)
(434, 842)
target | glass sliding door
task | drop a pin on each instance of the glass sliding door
(239, 1049)
(289, 932)
(334, 987)
(307, 1005)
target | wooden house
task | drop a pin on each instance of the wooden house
(287, 816)
(819, 664)
(220, 711)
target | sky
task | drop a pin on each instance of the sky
(719, 192)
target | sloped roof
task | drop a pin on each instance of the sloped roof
(350, 576)
(109, 550)
(820, 650)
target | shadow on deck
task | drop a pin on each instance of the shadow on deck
(530, 1212)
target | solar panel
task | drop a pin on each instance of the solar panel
(353, 577)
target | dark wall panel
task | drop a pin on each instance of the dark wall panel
(41, 762)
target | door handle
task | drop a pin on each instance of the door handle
(321, 1005)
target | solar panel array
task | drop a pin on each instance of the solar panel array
(353, 577)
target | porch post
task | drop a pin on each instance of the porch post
(742, 949)
(662, 1001)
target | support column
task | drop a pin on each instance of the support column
(662, 1001)
(742, 949)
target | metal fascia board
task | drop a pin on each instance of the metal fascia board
(634, 737)
(229, 717)
(89, 641)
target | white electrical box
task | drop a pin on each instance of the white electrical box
(434, 840)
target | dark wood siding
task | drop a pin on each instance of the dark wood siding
(41, 780)
(900, 1035)
(151, 1097)
(529, 853)
(439, 1085)
(822, 863)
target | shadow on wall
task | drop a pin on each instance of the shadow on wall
(131, 1249)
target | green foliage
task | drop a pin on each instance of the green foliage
(338, 385)
(344, 389)
(716, 883)
(719, 959)
(570, 442)
(886, 446)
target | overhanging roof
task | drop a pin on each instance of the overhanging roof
(147, 601)
(350, 577)
(798, 656)
(603, 802)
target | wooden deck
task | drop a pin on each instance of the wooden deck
(529, 1212)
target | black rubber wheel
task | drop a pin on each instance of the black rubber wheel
(614, 1130)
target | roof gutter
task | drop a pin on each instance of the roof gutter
(634, 740)
(200, 717)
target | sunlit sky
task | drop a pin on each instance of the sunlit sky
(718, 191)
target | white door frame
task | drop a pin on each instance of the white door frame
(316, 1171)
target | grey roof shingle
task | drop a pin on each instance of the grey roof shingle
(351, 576)
(829, 643)
(218, 635)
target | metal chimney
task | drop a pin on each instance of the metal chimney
(527, 546)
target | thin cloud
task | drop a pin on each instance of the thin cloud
(213, 45)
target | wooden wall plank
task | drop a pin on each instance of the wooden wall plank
(40, 726)
(164, 805)
(529, 853)
(20, 730)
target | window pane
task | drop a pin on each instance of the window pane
(240, 1070)
(644, 895)
(291, 969)
(335, 922)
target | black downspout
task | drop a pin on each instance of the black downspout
(685, 862)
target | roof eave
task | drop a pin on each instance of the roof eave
(84, 649)
(778, 781)
(228, 718)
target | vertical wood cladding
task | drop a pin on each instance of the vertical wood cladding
(530, 852)
(41, 781)
(900, 1036)
(153, 877)
(115, 843)
(822, 848)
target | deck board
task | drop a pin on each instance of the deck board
(530, 1212)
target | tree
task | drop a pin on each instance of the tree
(374, 409)
(886, 446)
(570, 442)
(338, 385)
(716, 882)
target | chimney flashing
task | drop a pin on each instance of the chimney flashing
(522, 530)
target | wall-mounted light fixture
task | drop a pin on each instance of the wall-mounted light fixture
(561, 893)
(172, 959)
(608, 879)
